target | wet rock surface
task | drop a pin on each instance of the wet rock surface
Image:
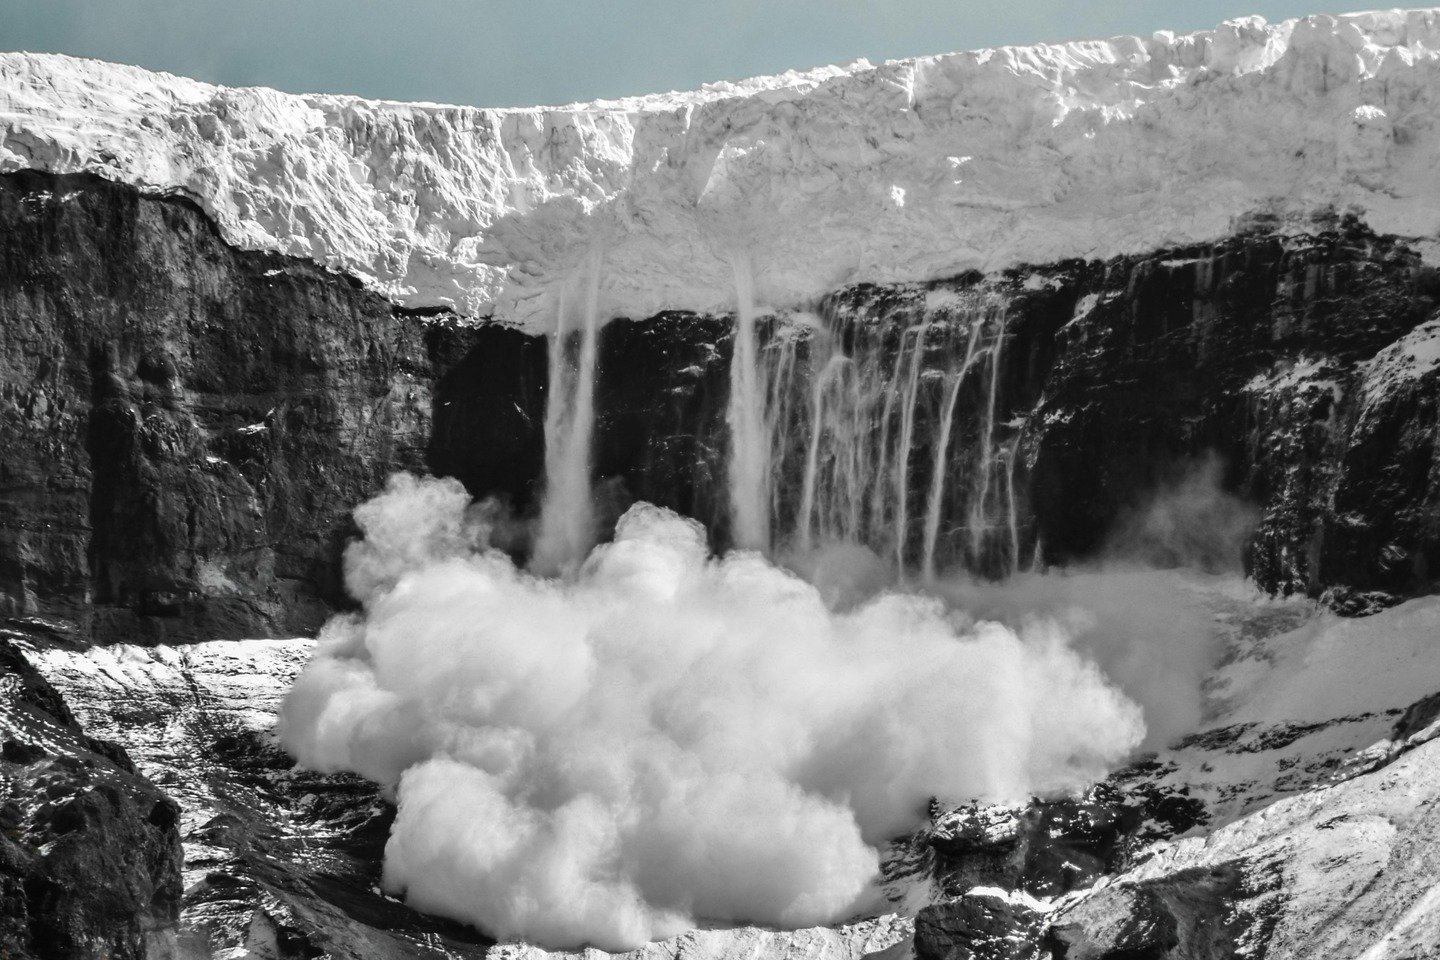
(1292, 363)
(188, 425)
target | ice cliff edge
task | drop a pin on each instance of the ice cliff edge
(910, 170)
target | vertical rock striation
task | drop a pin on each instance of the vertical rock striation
(187, 426)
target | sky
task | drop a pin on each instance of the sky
(526, 52)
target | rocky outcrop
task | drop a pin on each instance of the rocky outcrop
(187, 426)
(983, 924)
(89, 848)
(1291, 366)
(1257, 350)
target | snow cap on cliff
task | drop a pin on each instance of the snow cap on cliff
(909, 170)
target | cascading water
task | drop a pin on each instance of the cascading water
(875, 421)
(567, 516)
(749, 463)
(882, 420)
(939, 470)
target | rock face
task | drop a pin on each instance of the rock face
(1293, 369)
(1259, 350)
(89, 848)
(981, 925)
(187, 426)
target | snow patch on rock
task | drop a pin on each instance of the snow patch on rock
(1411, 358)
(848, 942)
(905, 171)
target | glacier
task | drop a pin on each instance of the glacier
(908, 170)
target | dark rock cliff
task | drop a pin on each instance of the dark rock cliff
(186, 426)
(1260, 350)
(1287, 369)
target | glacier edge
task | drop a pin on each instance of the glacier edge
(905, 171)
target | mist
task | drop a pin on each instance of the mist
(667, 737)
(1142, 609)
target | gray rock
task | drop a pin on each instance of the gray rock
(89, 850)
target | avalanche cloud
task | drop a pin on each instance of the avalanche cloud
(667, 737)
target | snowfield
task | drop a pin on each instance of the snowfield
(906, 171)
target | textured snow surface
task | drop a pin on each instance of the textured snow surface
(1411, 358)
(906, 171)
(158, 701)
(1345, 871)
(1301, 699)
(849, 942)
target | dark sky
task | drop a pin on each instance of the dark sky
(523, 52)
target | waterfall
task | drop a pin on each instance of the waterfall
(979, 512)
(749, 463)
(883, 417)
(567, 519)
(901, 480)
(939, 471)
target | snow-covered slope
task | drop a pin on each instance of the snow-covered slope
(1315, 784)
(905, 171)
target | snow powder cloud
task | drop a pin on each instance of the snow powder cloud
(668, 736)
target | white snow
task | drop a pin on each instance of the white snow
(849, 942)
(1337, 666)
(904, 171)
(1304, 374)
(1336, 861)
(1304, 705)
(1412, 357)
(1344, 871)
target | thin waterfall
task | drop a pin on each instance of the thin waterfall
(567, 515)
(749, 466)
(940, 469)
(1012, 519)
(884, 430)
(907, 441)
(812, 455)
(979, 513)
